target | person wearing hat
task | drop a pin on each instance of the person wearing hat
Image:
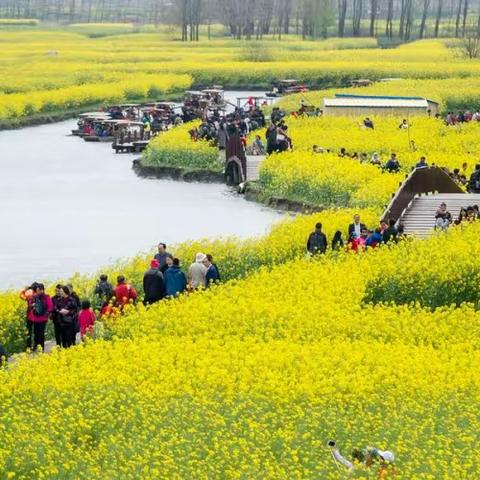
(197, 272)
(153, 284)
(368, 457)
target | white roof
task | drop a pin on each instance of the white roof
(375, 102)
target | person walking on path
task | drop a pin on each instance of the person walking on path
(153, 284)
(78, 303)
(175, 279)
(103, 292)
(161, 257)
(67, 310)
(86, 319)
(197, 272)
(212, 275)
(317, 241)
(39, 307)
(55, 316)
(124, 293)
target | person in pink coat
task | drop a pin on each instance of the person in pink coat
(39, 307)
(86, 319)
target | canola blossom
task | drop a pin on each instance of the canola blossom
(38, 60)
(258, 378)
(236, 259)
(175, 149)
(17, 105)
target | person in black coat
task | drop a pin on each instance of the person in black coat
(317, 241)
(153, 284)
(355, 228)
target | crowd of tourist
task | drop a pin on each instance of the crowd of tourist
(444, 219)
(461, 117)
(218, 128)
(71, 315)
(359, 237)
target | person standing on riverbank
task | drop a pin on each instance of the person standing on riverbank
(212, 275)
(55, 316)
(78, 304)
(86, 319)
(39, 307)
(124, 293)
(175, 279)
(153, 284)
(161, 257)
(103, 291)
(67, 309)
(197, 272)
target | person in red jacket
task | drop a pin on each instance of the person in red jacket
(86, 319)
(124, 293)
(39, 307)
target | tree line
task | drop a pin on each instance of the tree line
(393, 19)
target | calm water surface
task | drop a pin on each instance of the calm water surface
(70, 206)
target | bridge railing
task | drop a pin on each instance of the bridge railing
(419, 181)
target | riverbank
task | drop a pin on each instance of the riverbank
(176, 173)
(252, 191)
(45, 118)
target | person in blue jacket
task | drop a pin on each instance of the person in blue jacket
(175, 279)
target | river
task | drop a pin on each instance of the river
(70, 206)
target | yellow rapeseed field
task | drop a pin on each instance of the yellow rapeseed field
(250, 378)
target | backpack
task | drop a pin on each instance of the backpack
(39, 307)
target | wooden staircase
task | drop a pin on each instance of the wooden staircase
(419, 217)
(253, 167)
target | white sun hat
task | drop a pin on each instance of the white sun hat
(387, 456)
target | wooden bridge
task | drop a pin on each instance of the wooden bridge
(414, 204)
(240, 167)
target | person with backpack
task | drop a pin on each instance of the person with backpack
(124, 293)
(317, 241)
(103, 290)
(39, 307)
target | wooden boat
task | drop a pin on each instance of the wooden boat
(286, 87)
